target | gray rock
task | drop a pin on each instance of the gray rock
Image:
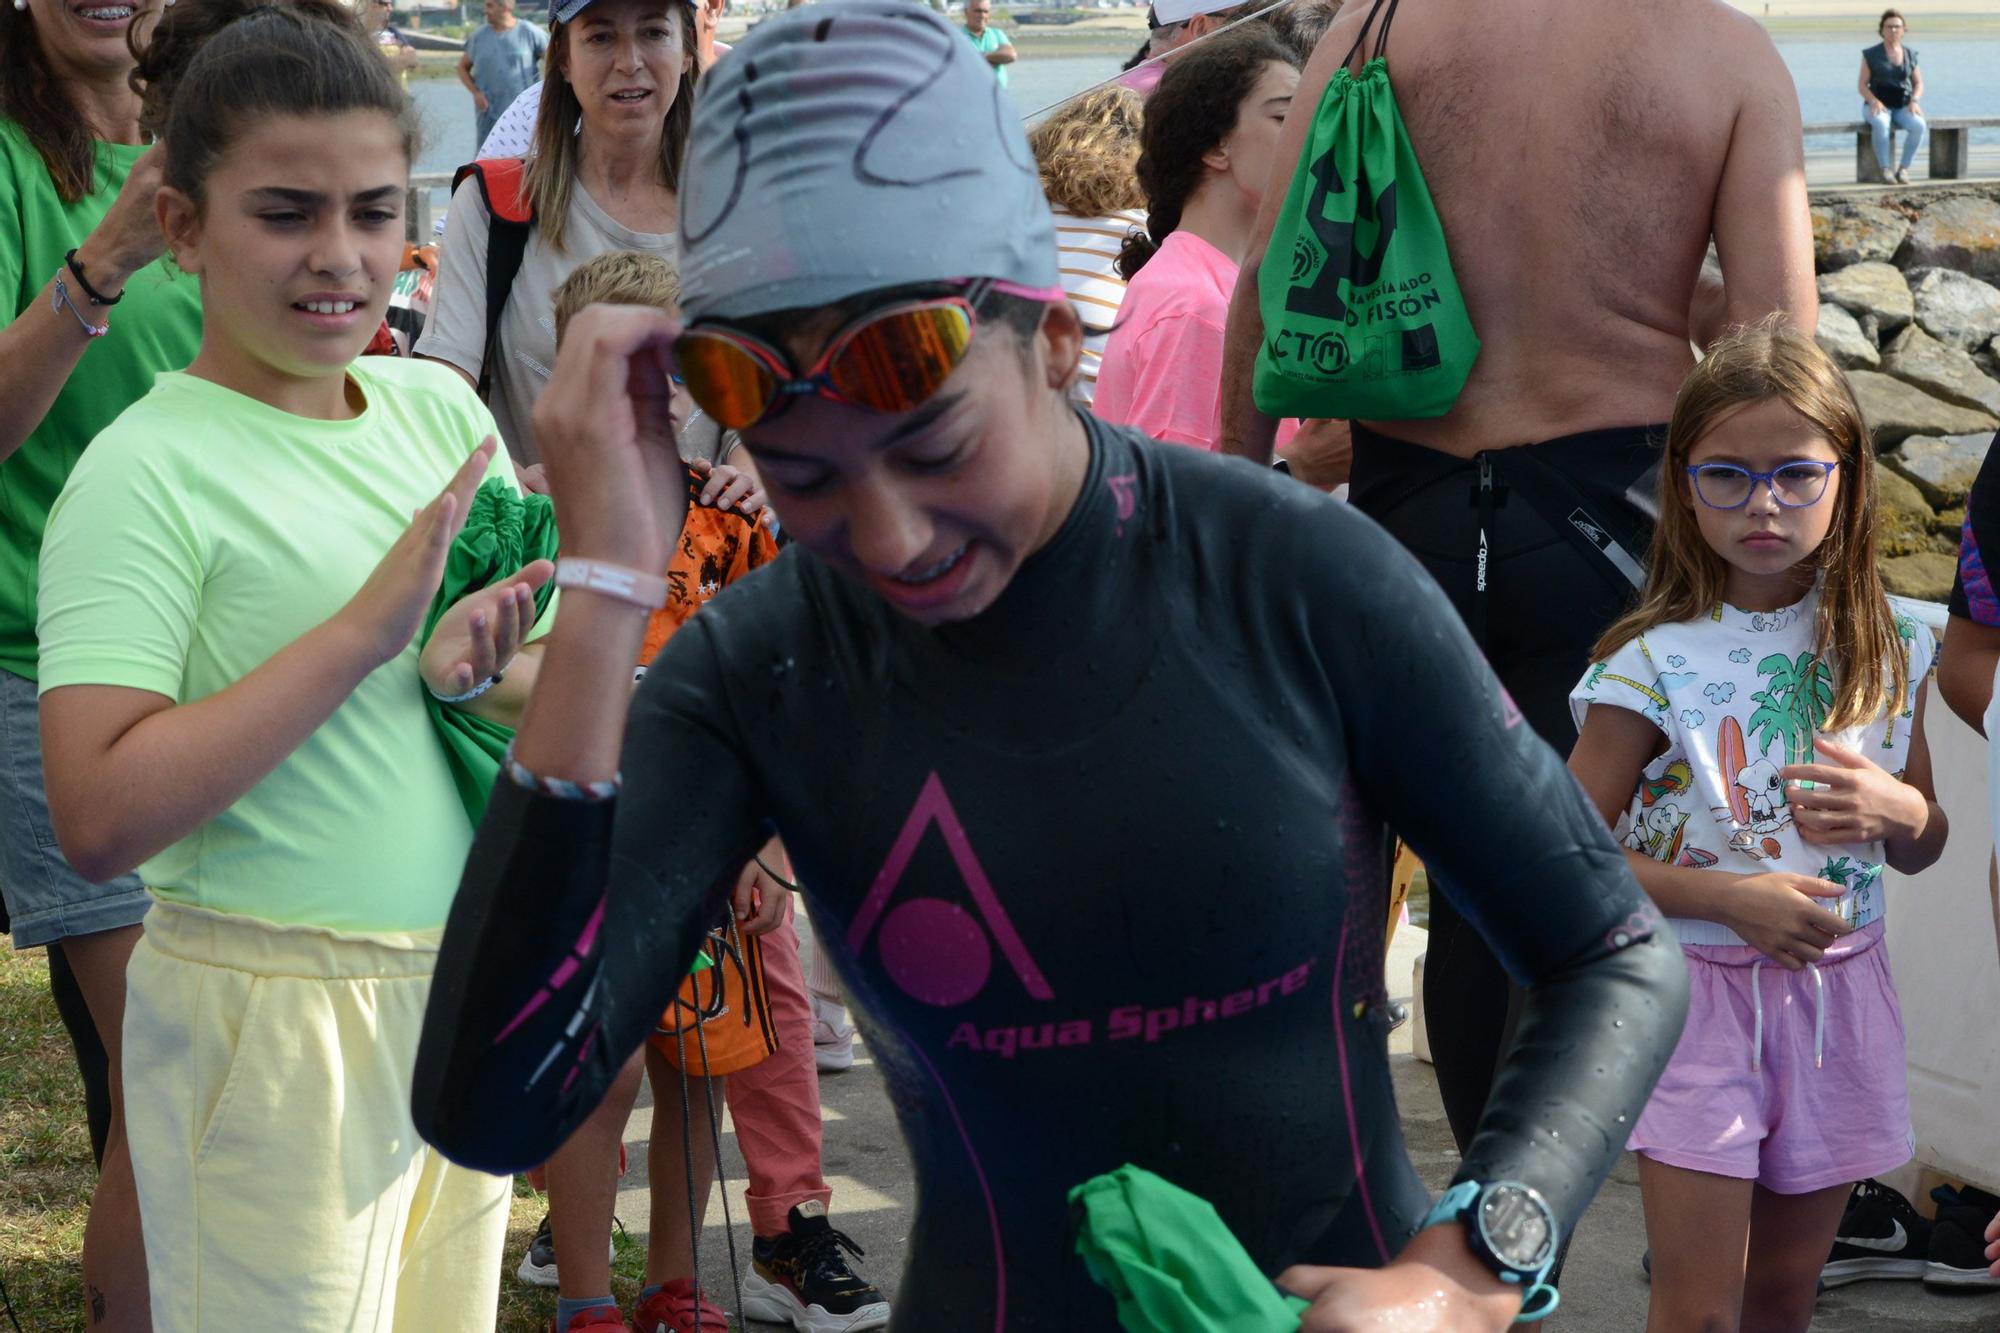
(1960, 311)
(1915, 357)
(1895, 410)
(1962, 232)
(1926, 575)
(1873, 288)
(1871, 328)
(1903, 518)
(1942, 466)
(1988, 358)
(1847, 233)
(1844, 339)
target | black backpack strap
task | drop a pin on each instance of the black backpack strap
(507, 230)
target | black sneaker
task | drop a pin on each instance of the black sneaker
(801, 1278)
(538, 1265)
(1958, 1241)
(1881, 1235)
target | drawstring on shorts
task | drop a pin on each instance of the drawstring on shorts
(1757, 1010)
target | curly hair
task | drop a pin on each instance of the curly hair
(1194, 109)
(1088, 153)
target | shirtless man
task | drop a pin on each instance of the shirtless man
(1582, 153)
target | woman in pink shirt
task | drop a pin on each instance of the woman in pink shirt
(1210, 138)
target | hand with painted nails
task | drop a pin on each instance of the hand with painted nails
(1847, 798)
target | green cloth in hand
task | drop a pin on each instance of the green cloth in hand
(1169, 1262)
(503, 531)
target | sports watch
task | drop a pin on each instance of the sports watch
(1510, 1227)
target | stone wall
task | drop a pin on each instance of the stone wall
(1910, 306)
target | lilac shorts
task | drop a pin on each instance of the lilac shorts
(1824, 1101)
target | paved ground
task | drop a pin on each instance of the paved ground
(1603, 1289)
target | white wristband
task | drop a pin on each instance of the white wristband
(617, 581)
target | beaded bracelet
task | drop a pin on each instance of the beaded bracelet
(561, 789)
(470, 694)
(61, 301)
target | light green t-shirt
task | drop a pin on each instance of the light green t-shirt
(989, 41)
(204, 531)
(156, 326)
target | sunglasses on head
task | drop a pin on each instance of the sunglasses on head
(892, 359)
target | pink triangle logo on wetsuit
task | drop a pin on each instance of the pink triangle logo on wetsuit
(935, 950)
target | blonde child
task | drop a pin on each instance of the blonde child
(798, 1273)
(1755, 729)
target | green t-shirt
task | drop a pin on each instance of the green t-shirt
(156, 326)
(203, 532)
(989, 41)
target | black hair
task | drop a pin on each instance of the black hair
(1193, 110)
(213, 67)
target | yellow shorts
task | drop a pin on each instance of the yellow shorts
(267, 1103)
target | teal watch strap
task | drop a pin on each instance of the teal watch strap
(1540, 1299)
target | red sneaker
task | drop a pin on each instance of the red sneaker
(672, 1309)
(596, 1317)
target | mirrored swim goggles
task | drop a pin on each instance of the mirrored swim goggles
(890, 360)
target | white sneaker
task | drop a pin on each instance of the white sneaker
(833, 1037)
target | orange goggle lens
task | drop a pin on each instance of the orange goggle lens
(891, 361)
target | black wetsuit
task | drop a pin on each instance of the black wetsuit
(1101, 867)
(1538, 548)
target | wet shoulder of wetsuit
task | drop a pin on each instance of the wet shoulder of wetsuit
(1442, 755)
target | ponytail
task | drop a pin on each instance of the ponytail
(211, 67)
(1191, 112)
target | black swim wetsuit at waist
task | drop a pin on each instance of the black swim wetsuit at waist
(1538, 549)
(1101, 867)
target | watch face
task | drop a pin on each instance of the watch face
(1516, 1226)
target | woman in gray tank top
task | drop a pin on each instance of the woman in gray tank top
(1890, 87)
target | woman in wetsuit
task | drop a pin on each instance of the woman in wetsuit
(1083, 747)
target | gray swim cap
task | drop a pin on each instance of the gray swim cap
(853, 145)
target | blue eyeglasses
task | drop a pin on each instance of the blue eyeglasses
(1795, 485)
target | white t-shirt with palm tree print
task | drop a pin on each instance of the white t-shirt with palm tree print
(1739, 695)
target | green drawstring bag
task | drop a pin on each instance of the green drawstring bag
(1362, 314)
(503, 531)
(1169, 1262)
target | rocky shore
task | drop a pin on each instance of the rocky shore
(1909, 294)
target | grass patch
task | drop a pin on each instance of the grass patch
(46, 1171)
(525, 1309)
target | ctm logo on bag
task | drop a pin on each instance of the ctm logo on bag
(1366, 320)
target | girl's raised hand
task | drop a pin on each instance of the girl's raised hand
(389, 609)
(1779, 915)
(1847, 798)
(606, 426)
(478, 636)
